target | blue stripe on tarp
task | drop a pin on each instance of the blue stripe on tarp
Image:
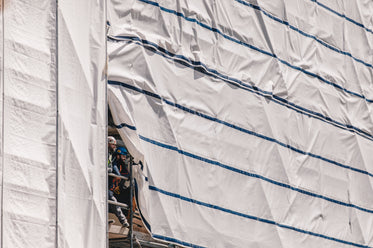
(249, 174)
(240, 128)
(343, 16)
(176, 241)
(215, 30)
(255, 218)
(125, 125)
(202, 68)
(256, 7)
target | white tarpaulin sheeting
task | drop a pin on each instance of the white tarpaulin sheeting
(82, 188)
(252, 119)
(53, 124)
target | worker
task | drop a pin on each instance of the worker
(121, 161)
(112, 145)
(112, 168)
(121, 187)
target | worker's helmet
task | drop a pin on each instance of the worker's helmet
(121, 151)
(111, 140)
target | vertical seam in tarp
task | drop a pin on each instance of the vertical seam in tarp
(57, 129)
(2, 123)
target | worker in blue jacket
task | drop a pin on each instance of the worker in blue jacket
(111, 196)
(121, 187)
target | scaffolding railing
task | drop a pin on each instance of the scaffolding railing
(119, 204)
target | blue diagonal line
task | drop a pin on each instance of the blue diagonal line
(125, 125)
(202, 68)
(191, 111)
(215, 30)
(343, 16)
(168, 239)
(251, 217)
(256, 7)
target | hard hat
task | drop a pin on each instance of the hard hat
(111, 140)
(121, 151)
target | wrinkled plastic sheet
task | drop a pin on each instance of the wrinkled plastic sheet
(53, 124)
(252, 120)
(82, 127)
